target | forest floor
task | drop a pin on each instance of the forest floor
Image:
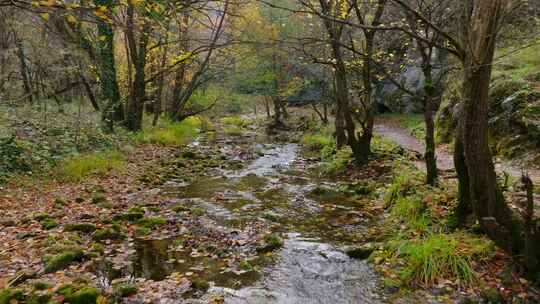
(237, 217)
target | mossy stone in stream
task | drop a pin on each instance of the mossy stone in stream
(81, 227)
(200, 285)
(180, 208)
(125, 290)
(9, 294)
(271, 242)
(63, 260)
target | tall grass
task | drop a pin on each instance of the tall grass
(77, 167)
(171, 133)
(441, 256)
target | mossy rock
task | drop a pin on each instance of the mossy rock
(41, 217)
(152, 222)
(36, 298)
(9, 294)
(81, 227)
(25, 235)
(40, 285)
(75, 295)
(98, 198)
(271, 243)
(8, 223)
(125, 290)
(129, 216)
(107, 234)
(200, 285)
(179, 208)
(49, 224)
(63, 260)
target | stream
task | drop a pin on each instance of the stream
(315, 220)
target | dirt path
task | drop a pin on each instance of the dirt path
(445, 160)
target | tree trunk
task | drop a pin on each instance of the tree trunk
(487, 200)
(27, 87)
(429, 113)
(109, 85)
(137, 51)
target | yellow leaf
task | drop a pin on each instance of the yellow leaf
(45, 16)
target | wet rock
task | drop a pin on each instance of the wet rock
(361, 252)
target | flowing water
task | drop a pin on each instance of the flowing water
(315, 219)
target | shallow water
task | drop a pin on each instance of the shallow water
(314, 217)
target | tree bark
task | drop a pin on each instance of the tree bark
(27, 86)
(487, 200)
(112, 111)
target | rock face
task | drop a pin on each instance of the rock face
(389, 98)
(514, 116)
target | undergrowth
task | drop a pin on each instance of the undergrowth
(169, 133)
(420, 248)
(77, 167)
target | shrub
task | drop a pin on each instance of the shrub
(12, 157)
(151, 222)
(8, 295)
(78, 167)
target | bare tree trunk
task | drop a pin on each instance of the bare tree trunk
(27, 87)
(486, 196)
(429, 113)
(137, 51)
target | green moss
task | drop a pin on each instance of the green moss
(85, 295)
(152, 222)
(9, 294)
(200, 285)
(107, 234)
(49, 224)
(63, 260)
(98, 199)
(142, 231)
(197, 211)
(180, 208)
(81, 227)
(245, 265)
(41, 216)
(35, 298)
(40, 285)
(272, 242)
(233, 130)
(128, 216)
(125, 290)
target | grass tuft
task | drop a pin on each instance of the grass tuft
(78, 167)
